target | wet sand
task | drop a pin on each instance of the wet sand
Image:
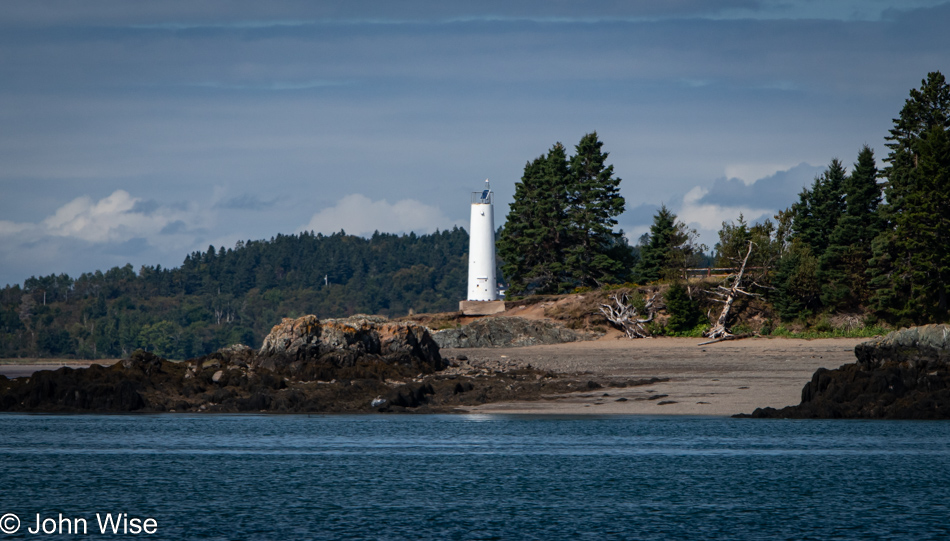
(716, 379)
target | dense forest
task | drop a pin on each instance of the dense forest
(225, 296)
(867, 243)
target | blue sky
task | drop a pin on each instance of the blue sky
(136, 132)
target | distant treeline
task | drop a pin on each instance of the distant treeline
(225, 296)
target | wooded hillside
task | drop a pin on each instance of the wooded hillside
(224, 296)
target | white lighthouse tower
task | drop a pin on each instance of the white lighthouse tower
(482, 283)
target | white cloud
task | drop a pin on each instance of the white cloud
(710, 216)
(634, 233)
(85, 234)
(11, 228)
(748, 173)
(112, 219)
(359, 215)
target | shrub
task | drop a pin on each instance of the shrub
(685, 314)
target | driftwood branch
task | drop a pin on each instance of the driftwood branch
(627, 318)
(727, 337)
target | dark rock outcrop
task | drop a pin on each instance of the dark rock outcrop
(357, 365)
(305, 365)
(118, 388)
(905, 375)
(497, 332)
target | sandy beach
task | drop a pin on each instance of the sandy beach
(716, 379)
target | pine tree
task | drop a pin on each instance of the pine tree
(733, 245)
(927, 234)
(668, 250)
(559, 231)
(594, 202)
(842, 268)
(552, 227)
(514, 245)
(531, 244)
(818, 210)
(910, 270)
(684, 311)
(796, 287)
(815, 216)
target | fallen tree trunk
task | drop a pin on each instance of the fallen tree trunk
(720, 331)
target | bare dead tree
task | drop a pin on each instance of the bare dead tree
(728, 295)
(626, 317)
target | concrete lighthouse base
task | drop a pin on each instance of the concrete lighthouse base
(481, 308)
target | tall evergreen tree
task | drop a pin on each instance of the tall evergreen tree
(815, 216)
(926, 233)
(818, 210)
(842, 268)
(559, 232)
(910, 270)
(594, 202)
(553, 228)
(532, 242)
(796, 292)
(514, 244)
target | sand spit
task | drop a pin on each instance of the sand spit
(717, 379)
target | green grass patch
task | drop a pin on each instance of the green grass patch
(856, 332)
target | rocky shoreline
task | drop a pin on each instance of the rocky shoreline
(306, 365)
(366, 364)
(905, 375)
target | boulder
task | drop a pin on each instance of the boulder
(496, 332)
(924, 346)
(346, 341)
(292, 335)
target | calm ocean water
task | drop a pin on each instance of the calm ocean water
(477, 477)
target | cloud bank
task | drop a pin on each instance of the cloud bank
(706, 207)
(775, 191)
(359, 215)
